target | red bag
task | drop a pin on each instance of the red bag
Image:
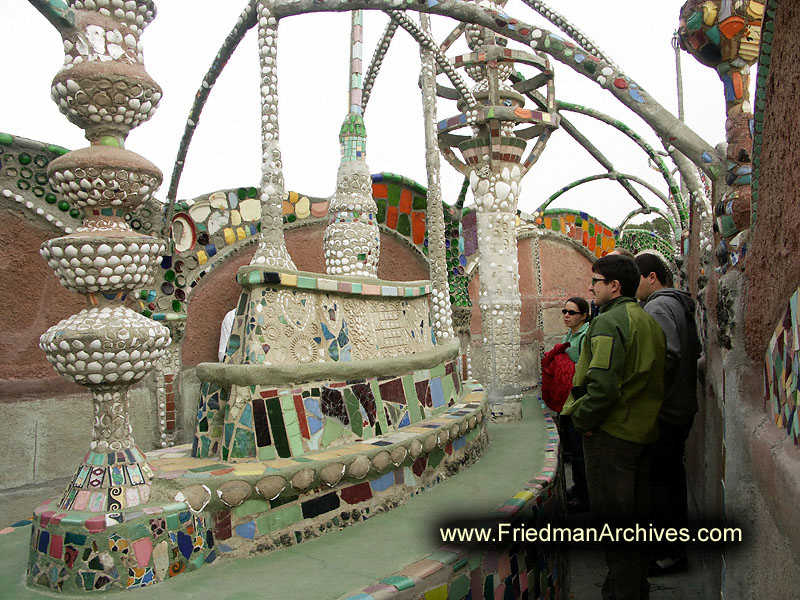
(557, 372)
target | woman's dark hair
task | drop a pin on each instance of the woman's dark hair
(582, 305)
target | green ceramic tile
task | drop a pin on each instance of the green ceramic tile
(172, 522)
(250, 507)
(306, 282)
(353, 412)
(410, 392)
(401, 582)
(438, 371)
(277, 427)
(459, 588)
(333, 429)
(376, 392)
(138, 531)
(267, 453)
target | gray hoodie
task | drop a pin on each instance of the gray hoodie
(674, 311)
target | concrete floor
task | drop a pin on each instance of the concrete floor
(700, 581)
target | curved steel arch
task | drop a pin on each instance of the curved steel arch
(246, 21)
(616, 176)
(663, 123)
(674, 189)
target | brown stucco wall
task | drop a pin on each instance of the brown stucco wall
(32, 300)
(772, 263)
(218, 292)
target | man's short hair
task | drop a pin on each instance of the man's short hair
(622, 252)
(621, 268)
(650, 263)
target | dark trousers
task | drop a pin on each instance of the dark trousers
(669, 506)
(575, 442)
(617, 473)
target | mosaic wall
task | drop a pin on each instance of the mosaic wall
(269, 422)
(782, 372)
(23, 180)
(591, 233)
(402, 208)
(637, 240)
(305, 317)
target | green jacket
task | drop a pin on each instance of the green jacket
(575, 342)
(619, 378)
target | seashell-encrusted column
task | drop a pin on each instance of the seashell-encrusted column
(104, 89)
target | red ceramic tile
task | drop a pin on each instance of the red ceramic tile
(391, 217)
(405, 201)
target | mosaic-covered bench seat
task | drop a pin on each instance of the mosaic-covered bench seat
(396, 556)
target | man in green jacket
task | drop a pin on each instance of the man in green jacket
(617, 394)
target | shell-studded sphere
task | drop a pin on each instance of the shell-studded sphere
(87, 265)
(105, 346)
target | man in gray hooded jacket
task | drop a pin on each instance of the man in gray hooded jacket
(674, 311)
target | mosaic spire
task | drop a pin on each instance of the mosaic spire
(272, 245)
(352, 239)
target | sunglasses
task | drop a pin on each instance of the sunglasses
(572, 313)
(596, 280)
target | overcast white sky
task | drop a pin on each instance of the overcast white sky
(313, 52)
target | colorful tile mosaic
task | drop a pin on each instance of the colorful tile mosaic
(782, 372)
(402, 207)
(268, 422)
(594, 235)
(80, 552)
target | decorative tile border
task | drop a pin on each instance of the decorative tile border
(250, 276)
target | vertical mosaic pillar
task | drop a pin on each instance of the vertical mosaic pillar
(727, 36)
(271, 246)
(500, 302)
(104, 89)
(495, 182)
(440, 296)
(352, 239)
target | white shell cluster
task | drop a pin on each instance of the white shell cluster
(104, 100)
(137, 14)
(111, 429)
(498, 192)
(105, 346)
(87, 265)
(346, 238)
(96, 187)
(95, 43)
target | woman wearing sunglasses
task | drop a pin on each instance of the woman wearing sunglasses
(558, 367)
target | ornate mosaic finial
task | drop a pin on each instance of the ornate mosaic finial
(352, 238)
